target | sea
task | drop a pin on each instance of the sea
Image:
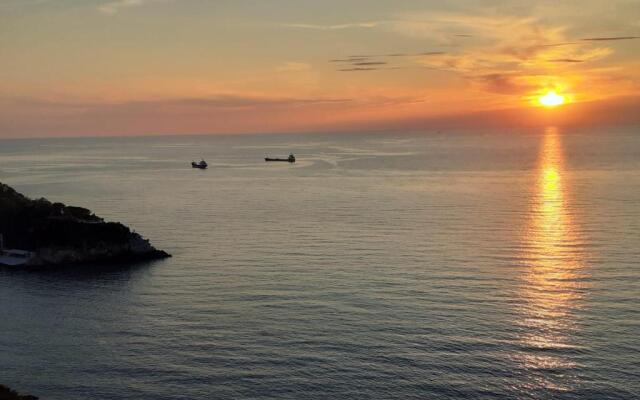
(400, 265)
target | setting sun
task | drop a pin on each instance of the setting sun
(551, 99)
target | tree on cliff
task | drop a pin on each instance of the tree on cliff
(66, 234)
(8, 394)
(31, 224)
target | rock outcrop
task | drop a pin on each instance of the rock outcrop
(8, 394)
(60, 234)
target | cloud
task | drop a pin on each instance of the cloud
(428, 53)
(504, 83)
(502, 43)
(237, 101)
(215, 114)
(613, 38)
(293, 66)
(220, 102)
(566, 60)
(224, 113)
(560, 44)
(351, 25)
(358, 69)
(115, 6)
(446, 28)
(363, 63)
(349, 60)
(13, 5)
(391, 59)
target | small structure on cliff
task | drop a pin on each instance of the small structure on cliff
(54, 234)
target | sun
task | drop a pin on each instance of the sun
(551, 99)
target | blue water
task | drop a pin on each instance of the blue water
(379, 266)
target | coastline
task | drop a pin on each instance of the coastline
(39, 233)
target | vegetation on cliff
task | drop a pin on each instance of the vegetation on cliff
(8, 394)
(58, 233)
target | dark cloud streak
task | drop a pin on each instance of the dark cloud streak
(612, 38)
(432, 53)
(358, 69)
(566, 60)
(348, 60)
(426, 53)
(364, 63)
(359, 61)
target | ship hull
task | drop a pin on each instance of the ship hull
(279, 160)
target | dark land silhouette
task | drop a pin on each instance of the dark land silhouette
(8, 394)
(60, 234)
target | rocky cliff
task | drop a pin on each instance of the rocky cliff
(61, 234)
(8, 394)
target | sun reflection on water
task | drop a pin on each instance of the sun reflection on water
(552, 281)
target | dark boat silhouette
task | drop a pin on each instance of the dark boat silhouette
(290, 159)
(200, 165)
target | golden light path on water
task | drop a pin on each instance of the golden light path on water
(552, 285)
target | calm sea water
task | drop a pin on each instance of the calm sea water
(432, 266)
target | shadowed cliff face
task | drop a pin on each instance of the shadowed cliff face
(8, 394)
(66, 234)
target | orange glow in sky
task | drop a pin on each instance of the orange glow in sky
(125, 67)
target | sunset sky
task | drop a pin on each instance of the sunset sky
(111, 67)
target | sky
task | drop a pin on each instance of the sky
(142, 67)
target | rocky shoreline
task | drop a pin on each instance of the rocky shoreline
(55, 234)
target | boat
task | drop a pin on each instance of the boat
(14, 257)
(200, 165)
(290, 159)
